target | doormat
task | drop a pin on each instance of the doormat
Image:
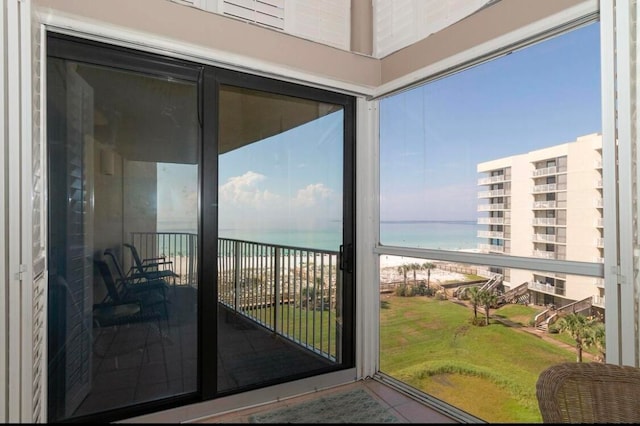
(355, 406)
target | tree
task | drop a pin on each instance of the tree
(488, 299)
(474, 298)
(428, 266)
(403, 269)
(579, 327)
(599, 340)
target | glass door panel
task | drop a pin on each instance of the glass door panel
(280, 229)
(123, 187)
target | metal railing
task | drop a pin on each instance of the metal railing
(294, 292)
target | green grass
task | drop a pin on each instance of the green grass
(488, 371)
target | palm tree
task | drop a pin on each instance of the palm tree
(580, 329)
(428, 266)
(487, 300)
(474, 298)
(415, 267)
(403, 269)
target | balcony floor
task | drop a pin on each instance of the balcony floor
(403, 407)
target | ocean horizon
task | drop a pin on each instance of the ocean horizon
(431, 234)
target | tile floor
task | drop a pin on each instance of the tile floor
(403, 407)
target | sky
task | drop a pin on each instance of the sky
(431, 140)
(432, 137)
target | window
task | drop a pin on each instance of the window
(491, 178)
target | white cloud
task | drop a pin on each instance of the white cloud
(308, 196)
(245, 190)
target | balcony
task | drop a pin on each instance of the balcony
(543, 221)
(256, 278)
(542, 254)
(551, 204)
(545, 171)
(491, 179)
(278, 316)
(597, 301)
(490, 234)
(490, 207)
(599, 242)
(547, 187)
(490, 248)
(493, 221)
(546, 288)
(493, 193)
(544, 238)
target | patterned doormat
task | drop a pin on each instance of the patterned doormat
(355, 406)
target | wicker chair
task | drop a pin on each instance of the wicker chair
(590, 392)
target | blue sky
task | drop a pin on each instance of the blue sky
(432, 137)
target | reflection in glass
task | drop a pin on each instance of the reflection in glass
(123, 161)
(280, 228)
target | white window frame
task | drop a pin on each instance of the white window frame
(617, 271)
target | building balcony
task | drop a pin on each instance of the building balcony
(491, 179)
(494, 193)
(544, 238)
(598, 183)
(545, 171)
(493, 221)
(490, 207)
(544, 221)
(551, 204)
(547, 187)
(598, 164)
(490, 248)
(599, 203)
(491, 234)
(599, 223)
(599, 282)
(599, 242)
(543, 254)
(598, 301)
(546, 288)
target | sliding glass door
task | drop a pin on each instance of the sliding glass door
(200, 232)
(281, 227)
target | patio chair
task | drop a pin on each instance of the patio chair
(151, 293)
(593, 392)
(151, 268)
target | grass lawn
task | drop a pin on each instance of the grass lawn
(488, 371)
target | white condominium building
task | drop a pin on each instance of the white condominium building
(546, 204)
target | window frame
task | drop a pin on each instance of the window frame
(618, 268)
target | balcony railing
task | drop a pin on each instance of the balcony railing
(542, 238)
(493, 193)
(493, 221)
(546, 288)
(543, 221)
(542, 254)
(487, 207)
(547, 187)
(491, 179)
(179, 248)
(545, 171)
(551, 204)
(490, 234)
(293, 292)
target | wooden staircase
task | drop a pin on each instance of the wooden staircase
(547, 317)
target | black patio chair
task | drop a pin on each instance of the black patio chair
(151, 293)
(151, 268)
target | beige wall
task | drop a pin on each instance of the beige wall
(207, 30)
(213, 31)
(501, 18)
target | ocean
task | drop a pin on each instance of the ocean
(445, 235)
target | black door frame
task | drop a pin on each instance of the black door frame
(209, 79)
